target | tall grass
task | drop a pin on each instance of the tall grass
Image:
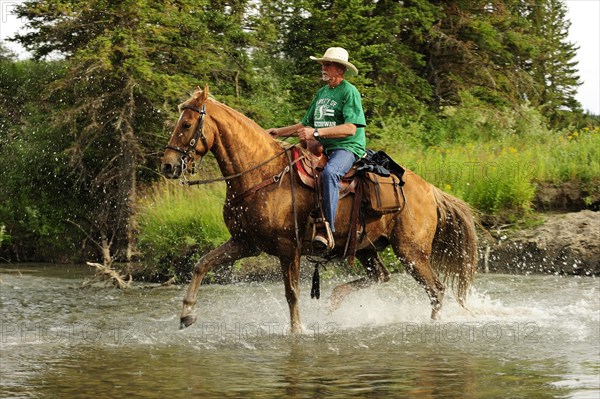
(572, 155)
(176, 224)
(493, 159)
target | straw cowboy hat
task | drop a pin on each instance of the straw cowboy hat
(338, 55)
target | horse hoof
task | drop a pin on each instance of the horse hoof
(186, 322)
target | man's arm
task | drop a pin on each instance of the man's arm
(286, 131)
(331, 132)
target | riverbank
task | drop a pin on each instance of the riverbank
(564, 243)
(566, 240)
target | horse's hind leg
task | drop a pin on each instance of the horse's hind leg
(230, 251)
(376, 273)
(416, 263)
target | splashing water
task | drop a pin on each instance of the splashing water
(526, 336)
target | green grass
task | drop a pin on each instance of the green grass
(177, 224)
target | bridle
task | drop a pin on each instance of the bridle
(191, 151)
(198, 134)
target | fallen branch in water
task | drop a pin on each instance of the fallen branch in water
(172, 282)
(109, 275)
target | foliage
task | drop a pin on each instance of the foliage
(36, 197)
(3, 236)
(5, 53)
(120, 60)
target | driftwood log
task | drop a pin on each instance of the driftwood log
(108, 275)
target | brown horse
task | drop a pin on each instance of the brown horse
(434, 233)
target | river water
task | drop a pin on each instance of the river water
(524, 337)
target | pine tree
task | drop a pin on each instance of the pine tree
(392, 57)
(376, 34)
(553, 66)
(124, 61)
(472, 48)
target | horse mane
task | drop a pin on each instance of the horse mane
(238, 115)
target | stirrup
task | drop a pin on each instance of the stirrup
(323, 241)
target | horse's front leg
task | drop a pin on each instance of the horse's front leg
(230, 251)
(290, 267)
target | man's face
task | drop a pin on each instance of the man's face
(331, 70)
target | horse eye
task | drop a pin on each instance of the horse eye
(186, 125)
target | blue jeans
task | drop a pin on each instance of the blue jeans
(339, 163)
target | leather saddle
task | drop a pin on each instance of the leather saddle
(311, 160)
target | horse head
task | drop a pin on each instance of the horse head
(188, 142)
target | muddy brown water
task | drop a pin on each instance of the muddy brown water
(525, 336)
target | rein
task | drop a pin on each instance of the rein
(225, 178)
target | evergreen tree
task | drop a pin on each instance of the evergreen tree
(471, 48)
(391, 56)
(553, 66)
(124, 61)
(378, 37)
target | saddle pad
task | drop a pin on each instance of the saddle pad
(305, 166)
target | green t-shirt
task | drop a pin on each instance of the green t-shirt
(336, 106)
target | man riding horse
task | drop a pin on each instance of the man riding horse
(433, 235)
(335, 119)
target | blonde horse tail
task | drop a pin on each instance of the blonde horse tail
(455, 243)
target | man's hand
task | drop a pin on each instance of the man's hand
(306, 133)
(273, 132)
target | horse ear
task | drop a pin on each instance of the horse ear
(205, 92)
